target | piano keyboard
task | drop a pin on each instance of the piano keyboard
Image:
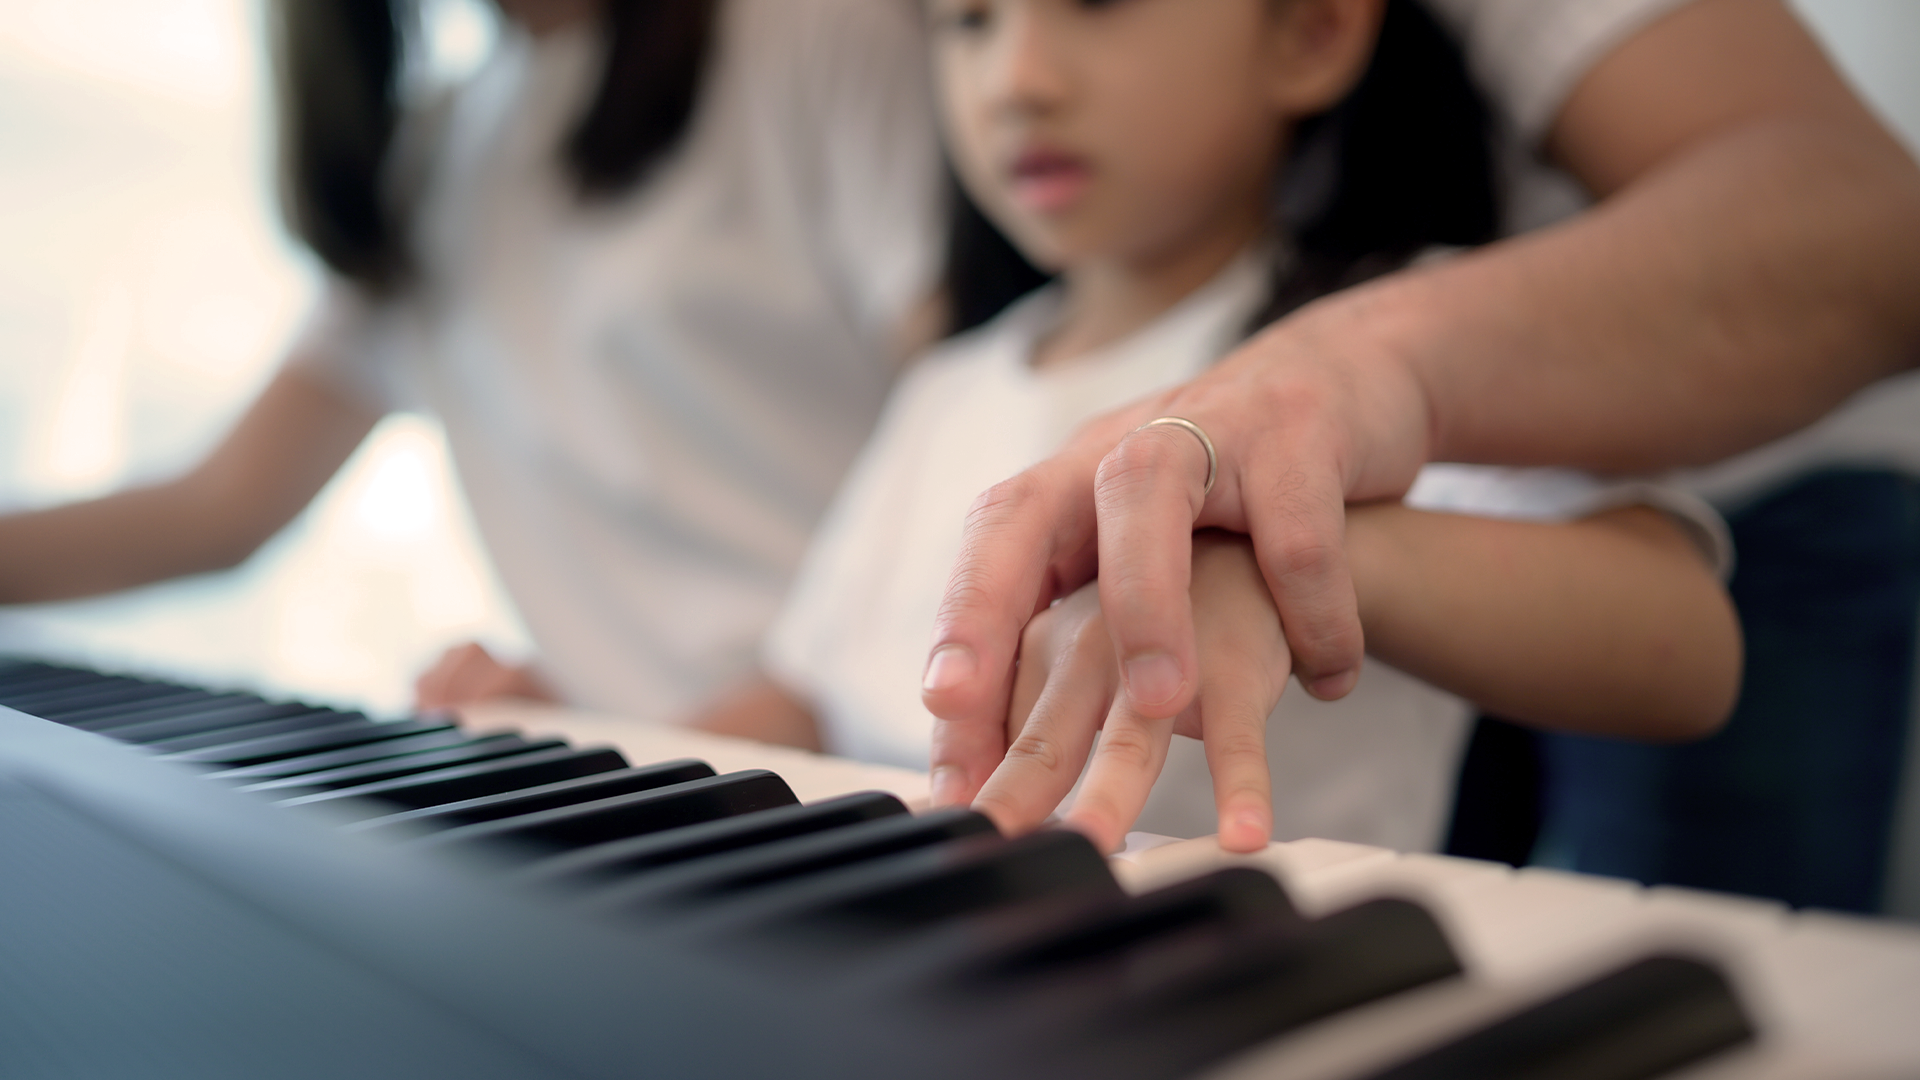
(208, 884)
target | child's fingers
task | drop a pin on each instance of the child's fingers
(1052, 742)
(1234, 718)
(1132, 751)
(1033, 671)
(446, 683)
(1244, 665)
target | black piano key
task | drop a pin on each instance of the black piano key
(462, 782)
(532, 800)
(349, 733)
(1221, 901)
(737, 873)
(333, 759)
(1643, 1021)
(1205, 997)
(227, 735)
(628, 815)
(1029, 967)
(35, 673)
(167, 723)
(602, 863)
(477, 748)
(878, 901)
(101, 720)
(105, 692)
(151, 696)
(50, 678)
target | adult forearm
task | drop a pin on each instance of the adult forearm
(1610, 625)
(760, 709)
(1738, 294)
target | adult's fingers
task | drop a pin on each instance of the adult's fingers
(1148, 491)
(1027, 540)
(1281, 482)
(1296, 516)
(1308, 414)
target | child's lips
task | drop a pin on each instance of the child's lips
(1046, 181)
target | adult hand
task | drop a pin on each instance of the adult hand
(1068, 686)
(1692, 314)
(1299, 425)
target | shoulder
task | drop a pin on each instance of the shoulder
(1528, 55)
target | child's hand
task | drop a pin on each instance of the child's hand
(1068, 686)
(468, 674)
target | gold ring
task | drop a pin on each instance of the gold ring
(1213, 460)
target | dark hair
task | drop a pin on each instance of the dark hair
(339, 65)
(1404, 162)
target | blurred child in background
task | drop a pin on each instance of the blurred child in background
(649, 266)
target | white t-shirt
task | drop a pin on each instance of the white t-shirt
(650, 403)
(1376, 767)
(1527, 56)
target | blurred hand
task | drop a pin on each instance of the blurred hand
(1300, 424)
(468, 674)
(1068, 686)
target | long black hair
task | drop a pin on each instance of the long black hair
(1403, 162)
(339, 68)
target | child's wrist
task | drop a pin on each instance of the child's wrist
(1370, 558)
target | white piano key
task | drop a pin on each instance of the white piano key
(1294, 863)
(1834, 996)
(812, 776)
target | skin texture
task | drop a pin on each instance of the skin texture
(1752, 261)
(1612, 625)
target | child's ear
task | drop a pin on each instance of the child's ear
(1320, 50)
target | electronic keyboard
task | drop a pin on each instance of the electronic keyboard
(210, 884)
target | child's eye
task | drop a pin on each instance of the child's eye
(961, 16)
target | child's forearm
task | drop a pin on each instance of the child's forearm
(283, 449)
(760, 709)
(1610, 625)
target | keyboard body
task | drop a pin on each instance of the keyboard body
(274, 897)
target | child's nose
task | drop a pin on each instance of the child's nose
(1030, 73)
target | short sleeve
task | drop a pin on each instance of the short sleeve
(1561, 495)
(348, 342)
(1528, 55)
(876, 154)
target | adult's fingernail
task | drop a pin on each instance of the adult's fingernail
(950, 666)
(1153, 679)
(948, 785)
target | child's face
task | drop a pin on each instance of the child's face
(1124, 129)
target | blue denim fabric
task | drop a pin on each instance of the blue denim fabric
(1794, 799)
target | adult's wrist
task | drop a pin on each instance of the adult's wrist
(1365, 350)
